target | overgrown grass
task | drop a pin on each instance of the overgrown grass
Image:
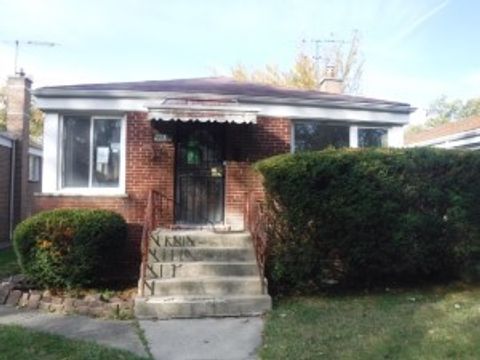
(8, 263)
(434, 323)
(21, 344)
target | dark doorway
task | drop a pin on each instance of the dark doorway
(199, 174)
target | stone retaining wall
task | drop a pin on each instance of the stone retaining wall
(92, 305)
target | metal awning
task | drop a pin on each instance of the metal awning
(202, 111)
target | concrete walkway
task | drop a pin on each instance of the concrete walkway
(189, 339)
(118, 334)
(195, 339)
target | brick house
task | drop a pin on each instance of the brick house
(193, 141)
(20, 160)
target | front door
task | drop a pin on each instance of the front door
(199, 174)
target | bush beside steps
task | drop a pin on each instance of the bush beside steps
(70, 248)
(370, 217)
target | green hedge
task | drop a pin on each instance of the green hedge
(70, 247)
(372, 216)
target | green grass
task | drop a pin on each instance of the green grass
(434, 323)
(21, 344)
(8, 263)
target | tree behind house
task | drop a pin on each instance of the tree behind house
(345, 58)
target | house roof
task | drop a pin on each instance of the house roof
(443, 131)
(33, 145)
(223, 86)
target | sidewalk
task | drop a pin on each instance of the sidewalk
(192, 339)
(211, 338)
(117, 334)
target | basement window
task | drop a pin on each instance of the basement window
(92, 152)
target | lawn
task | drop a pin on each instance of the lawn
(8, 263)
(434, 323)
(19, 344)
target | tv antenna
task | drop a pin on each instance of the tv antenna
(18, 43)
(318, 43)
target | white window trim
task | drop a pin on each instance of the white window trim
(353, 132)
(93, 191)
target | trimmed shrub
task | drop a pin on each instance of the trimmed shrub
(70, 247)
(364, 217)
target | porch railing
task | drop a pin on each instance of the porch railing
(149, 224)
(257, 222)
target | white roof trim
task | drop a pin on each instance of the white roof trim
(35, 151)
(447, 138)
(329, 100)
(221, 114)
(5, 142)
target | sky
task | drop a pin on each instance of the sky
(414, 50)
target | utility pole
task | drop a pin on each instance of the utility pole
(17, 44)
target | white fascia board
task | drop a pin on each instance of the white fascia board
(268, 110)
(459, 143)
(348, 115)
(91, 104)
(34, 151)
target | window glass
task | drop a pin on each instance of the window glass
(106, 154)
(33, 168)
(315, 135)
(369, 137)
(76, 151)
(91, 152)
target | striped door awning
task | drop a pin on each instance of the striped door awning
(203, 111)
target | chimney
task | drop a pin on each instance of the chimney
(18, 95)
(330, 83)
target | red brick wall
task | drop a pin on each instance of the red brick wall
(150, 165)
(245, 145)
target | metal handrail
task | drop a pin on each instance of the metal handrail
(257, 222)
(149, 224)
(154, 202)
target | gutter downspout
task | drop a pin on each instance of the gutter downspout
(12, 188)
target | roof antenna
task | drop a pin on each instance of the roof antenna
(17, 44)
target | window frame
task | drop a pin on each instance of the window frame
(37, 166)
(353, 129)
(373, 127)
(92, 190)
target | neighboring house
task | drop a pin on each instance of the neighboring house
(194, 141)
(461, 134)
(20, 161)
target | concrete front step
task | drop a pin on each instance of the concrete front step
(201, 286)
(194, 269)
(163, 238)
(201, 306)
(189, 254)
